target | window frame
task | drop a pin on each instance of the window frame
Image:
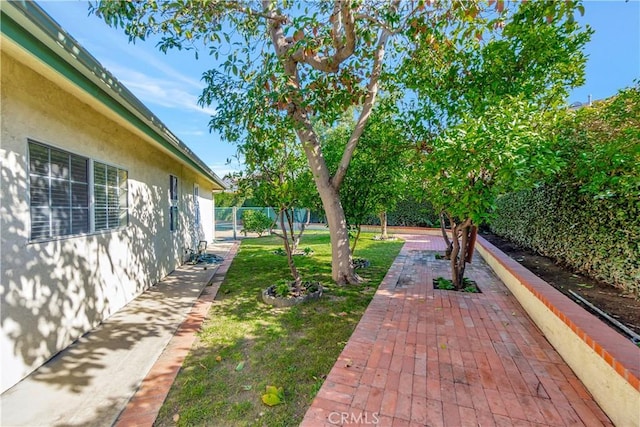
(90, 207)
(173, 203)
(51, 205)
(196, 204)
(118, 188)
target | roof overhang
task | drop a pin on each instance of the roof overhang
(31, 36)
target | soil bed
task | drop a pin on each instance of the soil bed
(624, 309)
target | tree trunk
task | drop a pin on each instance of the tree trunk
(287, 248)
(342, 271)
(460, 240)
(383, 226)
(445, 236)
(355, 240)
(341, 268)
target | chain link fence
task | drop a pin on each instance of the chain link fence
(228, 221)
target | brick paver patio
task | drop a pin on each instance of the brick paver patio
(425, 357)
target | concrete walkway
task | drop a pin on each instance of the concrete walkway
(91, 382)
(425, 357)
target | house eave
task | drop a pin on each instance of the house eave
(29, 27)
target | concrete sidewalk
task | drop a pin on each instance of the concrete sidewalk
(91, 382)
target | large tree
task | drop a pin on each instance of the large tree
(308, 61)
(376, 177)
(482, 109)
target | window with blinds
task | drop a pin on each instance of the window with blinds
(196, 204)
(173, 199)
(58, 192)
(110, 192)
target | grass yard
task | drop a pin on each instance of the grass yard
(246, 345)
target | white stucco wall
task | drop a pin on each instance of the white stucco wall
(53, 292)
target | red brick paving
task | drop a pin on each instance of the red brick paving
(425, 357)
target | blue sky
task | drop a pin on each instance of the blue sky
(170, 84)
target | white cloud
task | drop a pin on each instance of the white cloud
(223, 168)
(190, 132)
(162, 91)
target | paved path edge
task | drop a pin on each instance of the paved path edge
(144, 406)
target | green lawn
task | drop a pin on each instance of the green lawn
(246, 345)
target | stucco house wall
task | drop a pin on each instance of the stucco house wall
(54, 290)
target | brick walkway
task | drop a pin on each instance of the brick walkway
(425, 357)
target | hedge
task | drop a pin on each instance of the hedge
(597, 237)
(410, 212)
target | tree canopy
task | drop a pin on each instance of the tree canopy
(483, 108)
(307, 63)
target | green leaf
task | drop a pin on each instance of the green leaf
(271, 399)
(273, 396)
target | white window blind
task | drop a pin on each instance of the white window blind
(59, 192)
(110, 192)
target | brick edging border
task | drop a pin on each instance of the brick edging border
(621, 354)
(143, 408)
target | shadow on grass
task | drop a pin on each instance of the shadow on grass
(294, 348)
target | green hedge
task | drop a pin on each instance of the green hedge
(410, 212)
(598, 237)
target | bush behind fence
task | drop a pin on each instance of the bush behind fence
(224, 216)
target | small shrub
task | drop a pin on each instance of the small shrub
(255, 222)
(280, 251)
(472, 289)
(444, 284)
(282, 288)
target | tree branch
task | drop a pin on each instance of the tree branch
(275, 29)
(343, 28)
(365, 17)
(370, 98)
(239, 7)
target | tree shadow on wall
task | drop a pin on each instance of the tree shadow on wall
(55, 292)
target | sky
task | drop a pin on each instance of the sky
(169, 84)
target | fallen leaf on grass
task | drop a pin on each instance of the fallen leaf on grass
(176, 417)
(274, 396)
